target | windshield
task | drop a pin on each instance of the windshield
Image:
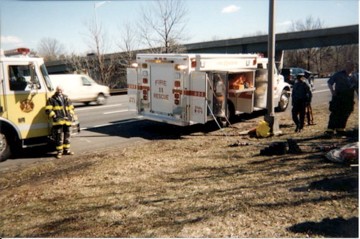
(46, 77)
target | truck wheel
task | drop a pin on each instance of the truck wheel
(284, 101)
(100, 100)
(5, 150)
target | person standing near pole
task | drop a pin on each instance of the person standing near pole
(342, 86)
(61, 112)
(301, 96)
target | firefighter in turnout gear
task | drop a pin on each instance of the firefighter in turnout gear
(61, 111)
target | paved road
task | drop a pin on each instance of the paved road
(112, 125)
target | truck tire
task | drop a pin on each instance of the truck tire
(101, 99)
(284, 101)
(5, 150)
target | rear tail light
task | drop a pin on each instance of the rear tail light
(177, 99)
(145, 95)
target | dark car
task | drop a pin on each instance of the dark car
(291, 73)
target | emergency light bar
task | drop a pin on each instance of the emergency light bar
(17, 51)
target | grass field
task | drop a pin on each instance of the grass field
(204, 183)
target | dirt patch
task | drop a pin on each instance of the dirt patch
(204, 183)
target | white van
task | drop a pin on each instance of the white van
(81, 88)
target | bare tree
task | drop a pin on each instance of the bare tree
(343, 54)
(100, 66)
(304, 58)
(308, 24)
(50, 49)
(128, 43)
(77, 63)
(162, 25)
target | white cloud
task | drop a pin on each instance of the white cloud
(99, 4)
(285, 23)
(283, 26)
(230, 9)
(10, 40)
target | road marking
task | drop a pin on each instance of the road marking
(320, 91)
(114, 112)
(96, 107)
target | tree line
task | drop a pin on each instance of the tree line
(321, 60)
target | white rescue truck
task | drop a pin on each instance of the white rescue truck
(25, 87)
(184, 89)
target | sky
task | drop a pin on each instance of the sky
(25, 23)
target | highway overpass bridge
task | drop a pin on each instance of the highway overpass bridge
(336, 36)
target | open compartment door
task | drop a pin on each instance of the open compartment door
(241, 90)
(197, 97)
(219, 81)
(133, 89)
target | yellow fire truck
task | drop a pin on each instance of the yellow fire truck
(24, 89)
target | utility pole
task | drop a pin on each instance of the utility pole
(270, 117)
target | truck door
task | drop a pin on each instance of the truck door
(133, 92)
(162, 77)
(26, 96)
(197, 97)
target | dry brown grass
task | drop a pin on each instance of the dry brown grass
(195, 186)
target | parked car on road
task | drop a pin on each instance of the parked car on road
(290, 74)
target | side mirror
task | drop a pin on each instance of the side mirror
(34, 82)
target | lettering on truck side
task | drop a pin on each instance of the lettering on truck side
(161, 83)
(132, 100)
(161, 96)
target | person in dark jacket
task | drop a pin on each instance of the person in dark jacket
(61, 112)
(342, 86)
(301, 96)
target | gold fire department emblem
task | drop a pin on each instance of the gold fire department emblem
(26, 105)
